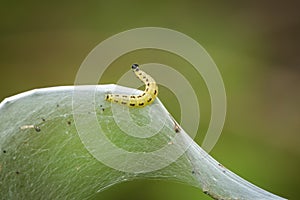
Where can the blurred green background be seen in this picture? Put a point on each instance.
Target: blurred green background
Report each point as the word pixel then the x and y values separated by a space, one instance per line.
pixel 255 44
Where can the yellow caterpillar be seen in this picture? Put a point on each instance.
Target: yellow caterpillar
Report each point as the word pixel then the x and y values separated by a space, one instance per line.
pixel 146 98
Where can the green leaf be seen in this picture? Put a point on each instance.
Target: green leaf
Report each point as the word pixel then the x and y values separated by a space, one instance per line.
pixel 56 144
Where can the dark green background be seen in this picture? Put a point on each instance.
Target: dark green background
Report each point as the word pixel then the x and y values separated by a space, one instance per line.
pixel 255 45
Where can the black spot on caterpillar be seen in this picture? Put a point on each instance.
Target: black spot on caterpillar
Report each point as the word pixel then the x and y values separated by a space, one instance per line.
pixel 148 96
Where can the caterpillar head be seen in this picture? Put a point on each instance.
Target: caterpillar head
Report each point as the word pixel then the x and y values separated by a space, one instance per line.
pixel 135 67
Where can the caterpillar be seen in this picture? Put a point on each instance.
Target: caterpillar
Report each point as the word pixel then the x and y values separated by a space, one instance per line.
pixel 146 98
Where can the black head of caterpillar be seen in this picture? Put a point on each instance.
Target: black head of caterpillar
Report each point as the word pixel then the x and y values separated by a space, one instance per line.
pixel 135 67
pixel 146 98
